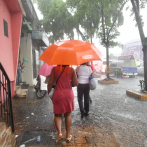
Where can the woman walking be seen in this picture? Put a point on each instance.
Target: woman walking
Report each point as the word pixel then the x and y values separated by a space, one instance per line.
pixel 63 97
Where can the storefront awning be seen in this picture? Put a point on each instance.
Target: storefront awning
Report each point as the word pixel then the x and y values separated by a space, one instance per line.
pixel 40 36
pixel 28 25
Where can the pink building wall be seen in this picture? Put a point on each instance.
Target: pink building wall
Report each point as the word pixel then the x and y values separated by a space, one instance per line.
pixel 9 46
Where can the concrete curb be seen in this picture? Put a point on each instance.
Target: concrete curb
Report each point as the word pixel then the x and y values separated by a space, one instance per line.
pixel 107 82
pixel 136 94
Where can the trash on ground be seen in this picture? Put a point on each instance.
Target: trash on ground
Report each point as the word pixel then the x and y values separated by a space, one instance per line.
pixel 29 140
pixel 38 139
pixel 16 136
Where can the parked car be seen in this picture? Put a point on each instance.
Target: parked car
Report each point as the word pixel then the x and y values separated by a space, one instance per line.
pixel 140 69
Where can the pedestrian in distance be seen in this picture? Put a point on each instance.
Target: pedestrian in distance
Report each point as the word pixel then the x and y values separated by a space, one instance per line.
pixel 83 73
pixel 19 72
pixel 63 97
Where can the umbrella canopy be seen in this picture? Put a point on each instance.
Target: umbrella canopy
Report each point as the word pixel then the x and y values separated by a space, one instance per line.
pixel 45 69
pixel 70 52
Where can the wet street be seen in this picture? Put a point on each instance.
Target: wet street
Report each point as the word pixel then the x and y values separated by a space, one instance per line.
pixel 115 119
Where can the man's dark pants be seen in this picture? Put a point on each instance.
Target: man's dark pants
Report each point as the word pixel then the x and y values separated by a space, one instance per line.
pixel 83 89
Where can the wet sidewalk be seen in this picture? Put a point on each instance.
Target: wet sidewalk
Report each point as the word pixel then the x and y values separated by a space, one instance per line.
pixel 34 117
pixel 114 120
pixel 82 136
pixel 91 136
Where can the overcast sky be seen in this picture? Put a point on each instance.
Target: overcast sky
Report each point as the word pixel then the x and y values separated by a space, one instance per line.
pixel 128 31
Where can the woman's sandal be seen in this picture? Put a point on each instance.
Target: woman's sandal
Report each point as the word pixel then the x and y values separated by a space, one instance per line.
pixel 69 139
pixel 59 138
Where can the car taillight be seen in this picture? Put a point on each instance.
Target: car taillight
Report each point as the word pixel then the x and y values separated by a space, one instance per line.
pixel 137 69
pixel 121 69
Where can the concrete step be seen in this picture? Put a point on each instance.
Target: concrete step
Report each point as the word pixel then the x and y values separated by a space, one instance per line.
pixel 23 93
pixel 2 129
pixel 7 138
pixel 25 86
pixel 19 92
pixel 12 140
pixel 17 87
pixel 3 140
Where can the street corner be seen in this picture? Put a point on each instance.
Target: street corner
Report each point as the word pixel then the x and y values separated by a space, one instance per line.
pixel 136 94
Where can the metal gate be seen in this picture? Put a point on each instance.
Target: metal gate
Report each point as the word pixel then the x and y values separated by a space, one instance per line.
pixel 6 110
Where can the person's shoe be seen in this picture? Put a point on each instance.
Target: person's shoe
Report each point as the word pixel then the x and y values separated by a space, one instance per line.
pixel 59 138
pixel 69 139
pixel 90 101
pixel 82 114
pixel 86 114
pixel 20 83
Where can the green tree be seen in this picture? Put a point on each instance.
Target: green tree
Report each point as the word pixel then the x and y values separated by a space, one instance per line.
pixel 87 14
pixel 60 18
pixel 96 17
pixel 108 17
pixel 57 21
pixel 111 20
pixel 86 17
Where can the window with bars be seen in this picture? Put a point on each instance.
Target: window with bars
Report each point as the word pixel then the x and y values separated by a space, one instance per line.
pixel 5 28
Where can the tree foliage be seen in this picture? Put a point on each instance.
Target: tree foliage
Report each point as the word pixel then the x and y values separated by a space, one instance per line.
pixel 99 18
pixel 111 20
pixel 95 17
pixel 86 16
pixel 60 18
pixel 57 21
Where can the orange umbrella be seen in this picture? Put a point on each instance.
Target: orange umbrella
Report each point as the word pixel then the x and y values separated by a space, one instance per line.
pixel 70 52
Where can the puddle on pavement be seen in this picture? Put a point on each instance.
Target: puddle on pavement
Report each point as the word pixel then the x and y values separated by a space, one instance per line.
pixel 30 137
pixel 125 115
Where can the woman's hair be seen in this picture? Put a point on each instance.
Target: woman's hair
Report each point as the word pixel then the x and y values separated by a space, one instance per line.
pixel 84 63
pixel 63 65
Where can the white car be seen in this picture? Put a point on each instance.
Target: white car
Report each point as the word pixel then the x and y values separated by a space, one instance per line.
pixel 140 69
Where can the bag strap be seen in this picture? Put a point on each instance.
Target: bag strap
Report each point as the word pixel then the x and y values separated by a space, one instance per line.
pixel 60 75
